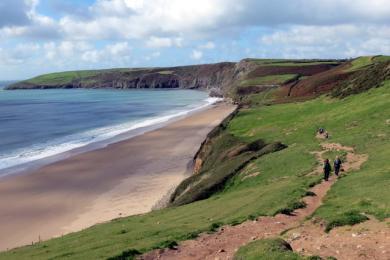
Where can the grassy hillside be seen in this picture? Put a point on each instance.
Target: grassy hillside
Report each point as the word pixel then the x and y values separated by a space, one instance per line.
pixel 60 78
pixel 266 185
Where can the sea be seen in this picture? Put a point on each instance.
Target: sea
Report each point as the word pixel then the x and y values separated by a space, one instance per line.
pixel 45 124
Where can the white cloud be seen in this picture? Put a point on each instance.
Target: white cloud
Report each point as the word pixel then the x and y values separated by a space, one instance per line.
pixel 121 49
pixel 136 19
pixel 163 42
pixel 330 41
pixel 196 55
pixel 207 45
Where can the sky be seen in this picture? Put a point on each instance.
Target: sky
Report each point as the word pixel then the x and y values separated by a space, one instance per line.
pixel 42 36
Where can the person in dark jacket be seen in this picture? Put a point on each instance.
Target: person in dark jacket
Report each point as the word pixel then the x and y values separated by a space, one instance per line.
pixel 337 165
pixel 327 169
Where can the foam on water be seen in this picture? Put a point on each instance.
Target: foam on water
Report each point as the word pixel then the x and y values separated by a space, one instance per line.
pixel 70 142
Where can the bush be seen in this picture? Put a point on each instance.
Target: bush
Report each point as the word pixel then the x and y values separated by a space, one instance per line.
pixel 171 244
pixel 291 207
pixel 214 227
pixel 310 193
pixel 126 255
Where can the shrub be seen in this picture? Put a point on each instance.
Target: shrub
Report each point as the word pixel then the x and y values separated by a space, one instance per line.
pixel 214 226
pixel 291 207
pixel 310 193
pixel 171 244
pixel 126 255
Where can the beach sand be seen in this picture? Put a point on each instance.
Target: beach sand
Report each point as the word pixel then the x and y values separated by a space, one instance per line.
pixel 122 179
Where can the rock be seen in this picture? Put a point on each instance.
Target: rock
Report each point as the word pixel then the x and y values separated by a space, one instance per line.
pixel 221 251
pixel 295 236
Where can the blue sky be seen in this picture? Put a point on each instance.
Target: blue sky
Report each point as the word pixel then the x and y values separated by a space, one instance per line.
pixel 41 36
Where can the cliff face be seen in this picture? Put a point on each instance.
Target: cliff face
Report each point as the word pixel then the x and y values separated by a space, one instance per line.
pixel 219 76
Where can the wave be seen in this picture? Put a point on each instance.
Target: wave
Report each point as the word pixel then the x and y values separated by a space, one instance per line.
pixel 71 142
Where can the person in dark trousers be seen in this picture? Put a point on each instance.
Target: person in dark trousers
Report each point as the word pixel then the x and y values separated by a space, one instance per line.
pixel 337 165
pixel 327 169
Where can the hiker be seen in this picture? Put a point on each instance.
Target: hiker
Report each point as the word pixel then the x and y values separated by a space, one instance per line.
pixel 321 130
pixel 327 169
pixel 337 165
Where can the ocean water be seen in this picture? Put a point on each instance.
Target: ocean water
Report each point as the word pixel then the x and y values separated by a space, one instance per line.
pixel 36 124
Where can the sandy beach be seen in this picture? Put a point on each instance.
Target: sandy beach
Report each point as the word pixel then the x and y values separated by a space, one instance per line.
pixel 122 179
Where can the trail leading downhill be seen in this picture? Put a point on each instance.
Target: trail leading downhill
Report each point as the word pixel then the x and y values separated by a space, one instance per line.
pixel 225 242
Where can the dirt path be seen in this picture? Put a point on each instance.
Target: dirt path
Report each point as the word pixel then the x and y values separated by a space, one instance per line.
pixel 224 243
pixel 368 240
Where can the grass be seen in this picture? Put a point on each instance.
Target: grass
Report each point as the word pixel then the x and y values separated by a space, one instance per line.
pixel 268 80
pixel 347 218
pixel 361 121
pixel 360 63
pixel 381 58
pixel 61 78
pixel 267 249
pixel 224 160
pixel 263 98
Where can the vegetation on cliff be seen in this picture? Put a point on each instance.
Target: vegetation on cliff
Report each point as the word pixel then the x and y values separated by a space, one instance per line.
pixel 208 76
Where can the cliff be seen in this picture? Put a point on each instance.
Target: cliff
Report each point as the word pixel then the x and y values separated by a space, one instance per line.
pixel 217 76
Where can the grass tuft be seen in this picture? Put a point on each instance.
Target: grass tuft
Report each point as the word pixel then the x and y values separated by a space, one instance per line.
pixel 126 255
pixel 291 207
pixel 348 218
pixel 266 249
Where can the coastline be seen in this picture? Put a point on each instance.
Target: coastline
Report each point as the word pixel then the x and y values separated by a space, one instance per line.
pixel 117 133
pixel 124 178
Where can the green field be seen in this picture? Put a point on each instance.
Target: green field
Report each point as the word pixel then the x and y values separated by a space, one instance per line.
pixel 59 78
pixel 269 80
pixel 360 63
pixel 381 58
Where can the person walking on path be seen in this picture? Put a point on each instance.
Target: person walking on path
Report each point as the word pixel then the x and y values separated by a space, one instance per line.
pixel 337 165
pixel 327 169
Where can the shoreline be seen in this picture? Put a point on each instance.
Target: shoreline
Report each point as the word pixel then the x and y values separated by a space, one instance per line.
pixel 124 178
pixel 136 129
